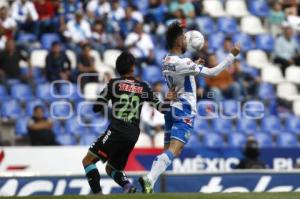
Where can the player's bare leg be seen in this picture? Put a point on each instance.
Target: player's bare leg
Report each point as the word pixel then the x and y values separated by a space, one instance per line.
pixel 92 173
pixel 120 178
pixel 160 165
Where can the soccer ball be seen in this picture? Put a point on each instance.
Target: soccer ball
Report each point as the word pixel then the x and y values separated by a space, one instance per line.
pixel 195 40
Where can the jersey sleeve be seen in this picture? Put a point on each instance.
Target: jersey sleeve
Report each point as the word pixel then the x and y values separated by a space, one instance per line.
pixel 219 68
pixel 104 96
pixel 184 67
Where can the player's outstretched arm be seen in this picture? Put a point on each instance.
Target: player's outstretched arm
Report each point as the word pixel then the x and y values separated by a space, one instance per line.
pixel 224 64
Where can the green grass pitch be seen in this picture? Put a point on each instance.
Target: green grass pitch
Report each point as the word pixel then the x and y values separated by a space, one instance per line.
pixel 176 196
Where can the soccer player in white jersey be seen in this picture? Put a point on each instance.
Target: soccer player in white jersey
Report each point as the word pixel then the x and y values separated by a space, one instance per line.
pixel 180 73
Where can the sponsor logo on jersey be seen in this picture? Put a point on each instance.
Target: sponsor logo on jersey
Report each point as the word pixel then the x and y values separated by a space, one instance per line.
pixel 130 88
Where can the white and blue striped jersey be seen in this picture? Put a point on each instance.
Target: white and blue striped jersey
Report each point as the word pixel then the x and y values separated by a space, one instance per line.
pixel 180 73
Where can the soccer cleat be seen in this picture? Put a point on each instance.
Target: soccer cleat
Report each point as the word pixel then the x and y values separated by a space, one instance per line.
pixel 146 185
pixel 129 188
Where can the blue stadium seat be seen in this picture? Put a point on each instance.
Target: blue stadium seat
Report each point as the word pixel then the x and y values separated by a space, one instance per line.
pixel 33 103
pixel 201 126
pixel 57 127
pixel 236 139
pixel 254 109
pixel 247 126
pixel 21 92
pixel 37 74
pixel 213 140
pixel 43 91
pixel 152 74
pixel 207 108
pixel 259 8
pixel 85 110
pixel 286 140
pixel 72 126
pixel 26 38
pixel 230 108
pixel 223 126
pixel 61 110
pixel 66 139
pixel 266 91
pixel 11 109
pixel 159 55
pixel 244 40
pixel 271 124
pixel 227 25
pixel 216 40
pixel 194 141
pixel 48 38
pixel 99 125
pixel 21 127
pixel 69 91
pixel 292 124
pixel 263 139
pixel 206 25
pixel 265 42
pixel 87 139
pixel 3 93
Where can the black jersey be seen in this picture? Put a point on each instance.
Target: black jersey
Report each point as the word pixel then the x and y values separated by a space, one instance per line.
pixel 127 96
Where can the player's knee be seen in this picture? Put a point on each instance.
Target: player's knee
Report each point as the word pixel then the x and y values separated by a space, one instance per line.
pixel 108 169
pixel 87 160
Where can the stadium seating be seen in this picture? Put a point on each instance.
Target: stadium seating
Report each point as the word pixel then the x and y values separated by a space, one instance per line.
pixel 271 124
pixel 48 38
pixel 236 139
pixel 257 58
pixel 194 141
pixel 214 8
pixel 236 8
pixel 265 42
pixel 286 140
pixel 253 109
pixel 230 108
pixel 72 57
pixel 263 139
pixel 11 109
pixel 296 107
pixel 66 139
pixel 30 105
pixel 266 91
pixel 87 139
pixel 206 25
pixel 201 126
pixel 207 108
pixel 43 91
pixel 152 74
pixel 244 40
pixel 292 124
pixel 223 126
pixel 61 109
pixel 227 25
pixel 21 127
pixel 38 57
pixel 292 74
pixel 3 93
pixel 247 126
pixel 272 74
pixel 91 90
pixel 21 92
pixel 110 57
pixel 287 91
pixel 252 25
pixel 213 139
pixel 99 125
pixel 259 8
pixel 216 40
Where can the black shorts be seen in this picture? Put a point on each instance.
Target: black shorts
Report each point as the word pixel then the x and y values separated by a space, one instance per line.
pixel 109 147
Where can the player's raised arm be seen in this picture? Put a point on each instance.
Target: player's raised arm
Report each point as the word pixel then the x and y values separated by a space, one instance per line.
pixel 221 66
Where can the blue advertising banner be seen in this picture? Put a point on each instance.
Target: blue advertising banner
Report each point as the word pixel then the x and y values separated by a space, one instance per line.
pixel 205 183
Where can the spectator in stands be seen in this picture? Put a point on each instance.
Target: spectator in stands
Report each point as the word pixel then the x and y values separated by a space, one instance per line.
pixel 58 65
pixel 140 45
pixel 251 153
pixel 117 12
pixel 127 23
pixel 156 12
pixel 183 10
pixel 275 18
pixel 98 8
pixel 103 39
pixel 223 52
pixel 222 85
pixel 8 25
pixel 10 59
pixel 247 82
pixel 86 64
pixel 24 12
pixel 68 8
pixel 40 129
pixel 287 50
pixel 78 32
pixel 46 12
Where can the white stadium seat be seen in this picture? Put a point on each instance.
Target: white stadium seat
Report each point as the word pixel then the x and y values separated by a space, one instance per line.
pixel 257 59
pixel 272 74
pixel 159 140
pixel 292 74
pixel 288 91
pixel 91 90
pixel 72 57
pixel 252 25
pixel 296 107
pixel 214 8
pixel 144 141
pixel 96 57
pixel 38 58
pixel 110 57
pixel 236 8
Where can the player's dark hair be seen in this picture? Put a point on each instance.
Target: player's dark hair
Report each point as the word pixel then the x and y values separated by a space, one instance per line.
pixel 228 38
pixel 124 63
pixel 173 32
pixel 37 107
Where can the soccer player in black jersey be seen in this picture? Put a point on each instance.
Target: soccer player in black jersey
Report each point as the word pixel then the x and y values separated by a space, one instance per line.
pixel 127 96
